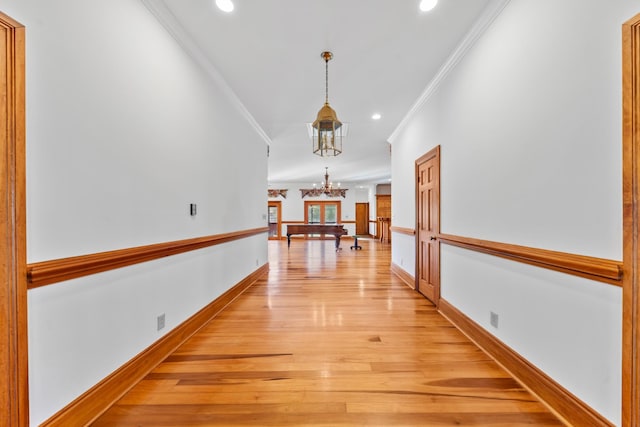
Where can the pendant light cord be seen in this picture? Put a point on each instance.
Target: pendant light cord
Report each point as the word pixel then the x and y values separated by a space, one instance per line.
pixel 326 81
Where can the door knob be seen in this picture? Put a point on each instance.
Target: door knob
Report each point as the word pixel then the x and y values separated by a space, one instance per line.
pixel 433 237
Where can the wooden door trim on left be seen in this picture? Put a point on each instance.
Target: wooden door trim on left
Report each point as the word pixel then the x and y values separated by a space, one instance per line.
pixel 14 392
pixel 631 222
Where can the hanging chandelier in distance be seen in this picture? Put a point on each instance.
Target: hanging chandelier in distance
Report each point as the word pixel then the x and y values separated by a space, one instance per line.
pixel 327 130
pixel 326 189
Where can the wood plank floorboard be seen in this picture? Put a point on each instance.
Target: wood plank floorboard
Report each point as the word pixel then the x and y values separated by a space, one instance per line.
pixel 328 339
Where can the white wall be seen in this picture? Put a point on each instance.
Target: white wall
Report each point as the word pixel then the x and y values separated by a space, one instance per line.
pixel 529 123
pixel 124 131
pixel 383 189
pixel 403 252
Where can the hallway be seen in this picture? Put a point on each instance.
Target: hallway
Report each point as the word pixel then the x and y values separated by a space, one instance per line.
pixel 329 339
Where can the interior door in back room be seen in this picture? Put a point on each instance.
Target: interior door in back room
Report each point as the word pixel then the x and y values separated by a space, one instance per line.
pixel 362 219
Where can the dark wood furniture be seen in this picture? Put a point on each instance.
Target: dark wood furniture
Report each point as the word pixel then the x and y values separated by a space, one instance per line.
pixel 383 210
pixel 384 224
pixel 337 230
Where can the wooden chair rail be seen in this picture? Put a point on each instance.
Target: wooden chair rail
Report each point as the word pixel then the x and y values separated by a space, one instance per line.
pixel 599 269
pixel 403 230
pixel 58 270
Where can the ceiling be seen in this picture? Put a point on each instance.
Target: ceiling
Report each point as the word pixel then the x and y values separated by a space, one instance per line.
pixel 268 52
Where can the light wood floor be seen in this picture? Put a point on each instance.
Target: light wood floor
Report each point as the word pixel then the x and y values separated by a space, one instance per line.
pixel 328 339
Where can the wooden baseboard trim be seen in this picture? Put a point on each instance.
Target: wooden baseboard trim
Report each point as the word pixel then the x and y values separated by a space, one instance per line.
pixel 90 405
pixel 403 275
pixel 567 406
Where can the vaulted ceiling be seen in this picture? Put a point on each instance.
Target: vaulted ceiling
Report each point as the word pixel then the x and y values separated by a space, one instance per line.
pixel 268 52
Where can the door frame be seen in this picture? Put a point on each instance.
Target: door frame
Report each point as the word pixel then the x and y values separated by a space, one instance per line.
pixel 14 390
pixel 631 222
pixel 322 203
pixel 278 205
pixel 431 154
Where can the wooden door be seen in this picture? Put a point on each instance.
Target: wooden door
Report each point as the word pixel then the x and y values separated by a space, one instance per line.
pixel 275 220
pixel 428 225
pixel 362 219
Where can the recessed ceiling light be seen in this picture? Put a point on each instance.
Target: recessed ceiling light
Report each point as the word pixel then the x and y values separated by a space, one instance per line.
pixel 225 5
pixel 427 5
pixel 376 116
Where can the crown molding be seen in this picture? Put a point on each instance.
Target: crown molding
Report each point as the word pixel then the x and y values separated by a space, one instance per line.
pixel 161 12
pixel 491 12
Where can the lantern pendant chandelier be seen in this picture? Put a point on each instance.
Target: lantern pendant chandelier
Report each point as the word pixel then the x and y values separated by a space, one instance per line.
pixel 327 129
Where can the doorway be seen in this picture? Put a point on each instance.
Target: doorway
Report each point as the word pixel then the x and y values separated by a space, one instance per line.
pixel 274 213
pixel 362 219
pixel 322 212
pixel 428 225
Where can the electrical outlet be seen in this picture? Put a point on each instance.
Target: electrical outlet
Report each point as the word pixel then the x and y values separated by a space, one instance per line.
pixel 401 261
pixel 160 321
pixel 493 319
pixel 257 262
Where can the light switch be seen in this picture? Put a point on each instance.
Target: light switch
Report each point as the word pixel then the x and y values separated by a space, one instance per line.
pixel 192 209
